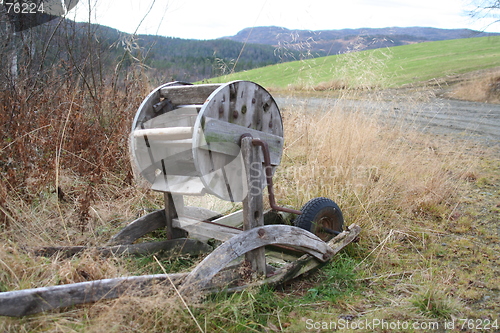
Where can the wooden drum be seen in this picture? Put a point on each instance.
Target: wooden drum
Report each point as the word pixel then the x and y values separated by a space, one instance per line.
pixel 185 138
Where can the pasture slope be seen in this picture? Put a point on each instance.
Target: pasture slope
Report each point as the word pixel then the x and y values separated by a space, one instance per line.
pixel 389 67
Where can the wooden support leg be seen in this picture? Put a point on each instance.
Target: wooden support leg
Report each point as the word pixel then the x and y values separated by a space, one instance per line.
pixel 253 205
pixel 173 206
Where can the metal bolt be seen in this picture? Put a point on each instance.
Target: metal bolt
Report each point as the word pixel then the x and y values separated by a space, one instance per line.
pixel 235 114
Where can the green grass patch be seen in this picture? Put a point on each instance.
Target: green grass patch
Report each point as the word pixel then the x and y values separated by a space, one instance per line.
pixel 337 279
pixel 267 308
pixel 389 67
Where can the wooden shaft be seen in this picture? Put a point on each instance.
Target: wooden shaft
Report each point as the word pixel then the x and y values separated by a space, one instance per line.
pixel 253 205
pixel 171 211
pixel 165 133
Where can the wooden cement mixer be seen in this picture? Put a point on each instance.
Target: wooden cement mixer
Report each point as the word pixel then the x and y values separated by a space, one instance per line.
pixel 224 140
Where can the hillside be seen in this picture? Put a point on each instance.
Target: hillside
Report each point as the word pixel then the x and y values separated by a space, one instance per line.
pixel 164 58
pixel 80 46
pixel 391 67
pixel 329 42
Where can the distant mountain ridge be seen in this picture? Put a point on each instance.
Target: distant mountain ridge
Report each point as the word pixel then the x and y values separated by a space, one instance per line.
pixel 328 42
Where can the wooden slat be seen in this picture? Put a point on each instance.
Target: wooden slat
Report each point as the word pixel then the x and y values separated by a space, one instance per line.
pixel 233 220
pixel 218 131
pixel 191 94
pixel 179 185
pixel 199 213
pixel 171 211
pixel 180 116
pixel 204 231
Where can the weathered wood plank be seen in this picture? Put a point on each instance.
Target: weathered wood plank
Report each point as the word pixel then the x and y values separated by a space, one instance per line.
pixel 178 184
pixel 250 240
pixel 219 131
pixel 191 94
pixel 204 231
pixel 200 213
pixel 19 303
pixel 172 209
pixel 176 246
pixel 181 116
pixel 29 301
pixel 138 228
pixel 232 220
pixel 253 205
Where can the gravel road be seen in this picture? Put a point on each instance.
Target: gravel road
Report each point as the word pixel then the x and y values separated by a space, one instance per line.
pixel 477 121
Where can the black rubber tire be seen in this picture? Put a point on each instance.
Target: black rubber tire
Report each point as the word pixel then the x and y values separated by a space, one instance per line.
pixel 321 212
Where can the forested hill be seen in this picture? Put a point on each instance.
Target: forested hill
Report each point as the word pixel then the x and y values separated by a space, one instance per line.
pixel 330 42
pixel 82 45
pixel 189 59
pixel 194 60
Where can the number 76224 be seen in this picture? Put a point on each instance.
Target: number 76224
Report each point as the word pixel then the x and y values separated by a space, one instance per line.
pixel 28 7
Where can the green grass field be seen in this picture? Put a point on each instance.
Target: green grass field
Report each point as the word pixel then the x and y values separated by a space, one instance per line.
pixel 390 67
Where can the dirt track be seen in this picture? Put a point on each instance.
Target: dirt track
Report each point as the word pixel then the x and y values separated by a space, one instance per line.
pixel 475 120
pixel 471 120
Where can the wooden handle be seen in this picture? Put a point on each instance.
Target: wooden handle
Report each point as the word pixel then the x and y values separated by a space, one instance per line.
pixel 165 133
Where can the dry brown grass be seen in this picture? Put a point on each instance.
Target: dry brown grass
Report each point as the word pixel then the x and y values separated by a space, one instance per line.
pixel 483 86
pixel 356 160
pixel 404 188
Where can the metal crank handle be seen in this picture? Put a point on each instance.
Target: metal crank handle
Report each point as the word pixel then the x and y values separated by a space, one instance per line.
pixel 269 176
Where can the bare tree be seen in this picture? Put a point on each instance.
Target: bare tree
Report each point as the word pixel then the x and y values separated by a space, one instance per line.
pixel 488 10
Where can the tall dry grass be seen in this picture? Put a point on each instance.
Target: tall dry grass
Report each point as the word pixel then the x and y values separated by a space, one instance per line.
pixel 403 187
pixel 356 159
pixel 60 142
pixel 482 87
pixel 400 186
pixel 66 181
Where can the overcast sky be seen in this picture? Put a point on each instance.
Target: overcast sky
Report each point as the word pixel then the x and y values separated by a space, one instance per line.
pixel 205 19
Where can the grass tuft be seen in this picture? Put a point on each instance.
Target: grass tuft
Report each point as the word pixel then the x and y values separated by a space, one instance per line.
pixel 436 304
